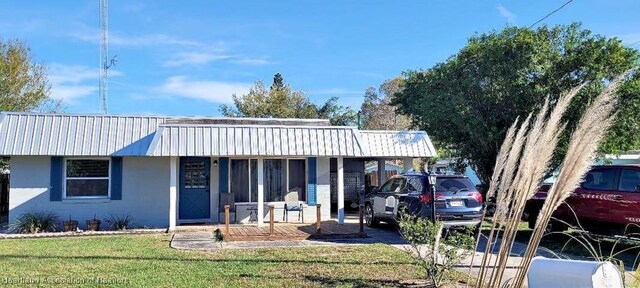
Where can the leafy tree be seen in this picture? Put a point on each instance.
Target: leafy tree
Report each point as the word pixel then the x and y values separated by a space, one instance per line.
pixel 469 101
pixel 378 113
pixel 281 101
pixel 23 83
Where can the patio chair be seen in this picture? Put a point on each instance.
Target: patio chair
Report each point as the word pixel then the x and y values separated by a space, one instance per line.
pixel 292 203
pixel 228 199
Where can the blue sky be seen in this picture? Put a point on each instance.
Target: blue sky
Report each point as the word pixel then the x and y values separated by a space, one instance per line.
pixel 187 57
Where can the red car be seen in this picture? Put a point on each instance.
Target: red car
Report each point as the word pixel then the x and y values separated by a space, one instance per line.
pixel 607 200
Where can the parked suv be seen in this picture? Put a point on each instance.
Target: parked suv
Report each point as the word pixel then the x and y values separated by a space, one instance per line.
pixel 458 203
pixel 608 199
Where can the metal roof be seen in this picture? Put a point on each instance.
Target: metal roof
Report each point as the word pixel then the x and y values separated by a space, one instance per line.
pixel 108 135
pixel 256 140
pixel 397 143
pixel 75 135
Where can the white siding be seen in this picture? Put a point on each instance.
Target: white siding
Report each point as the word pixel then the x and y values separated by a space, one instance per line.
pixel 145 195
pixel 324 187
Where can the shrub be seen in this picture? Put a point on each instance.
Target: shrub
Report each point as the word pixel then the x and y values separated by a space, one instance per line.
pixel 217 236
pixel 435 250
pixel 118 222
pixel 35 222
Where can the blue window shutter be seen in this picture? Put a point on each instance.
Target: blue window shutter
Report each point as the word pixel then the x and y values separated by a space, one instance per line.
pixel 223 164
pixel 312 198
pixel 57 171
pixel 116 178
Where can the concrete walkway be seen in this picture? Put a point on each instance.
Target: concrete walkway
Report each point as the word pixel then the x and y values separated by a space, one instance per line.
pixel 204 240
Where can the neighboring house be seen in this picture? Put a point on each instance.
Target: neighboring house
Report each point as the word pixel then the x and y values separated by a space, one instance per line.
pixel 444 166
pixel 630 157
pixel 167 171
pixel 390 169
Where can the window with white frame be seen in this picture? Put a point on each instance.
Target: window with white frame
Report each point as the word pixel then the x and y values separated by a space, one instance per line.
pixel 86 178
pixel 280 176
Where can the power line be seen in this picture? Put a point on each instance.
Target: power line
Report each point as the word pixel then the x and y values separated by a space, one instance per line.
pixel 634 43
pixel 552 12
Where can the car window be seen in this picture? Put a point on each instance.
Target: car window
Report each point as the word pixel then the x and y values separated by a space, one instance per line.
pixel 604 179
pixel 386 187
pixel 398 184
pixel 393 185
pixel 415 184
pixel 453 184
pixel 629 180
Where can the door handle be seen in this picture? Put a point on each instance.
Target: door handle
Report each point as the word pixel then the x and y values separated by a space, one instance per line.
pixel 617 197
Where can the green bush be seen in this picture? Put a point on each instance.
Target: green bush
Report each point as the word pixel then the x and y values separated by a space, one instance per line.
pixel 35 222
pixel 436 250
pixel 118 222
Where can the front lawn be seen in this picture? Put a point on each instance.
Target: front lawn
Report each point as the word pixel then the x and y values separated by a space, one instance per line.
pixel 147 260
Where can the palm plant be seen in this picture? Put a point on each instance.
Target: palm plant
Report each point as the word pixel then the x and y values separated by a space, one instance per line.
pixel 35 222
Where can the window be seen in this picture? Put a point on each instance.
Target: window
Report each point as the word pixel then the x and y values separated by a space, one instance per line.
pixel 297 178
pixel 393 185
pixel 275 179
pixel 600 179
pixel 630 181
pixel 195 175
pixel 280 176
pixel 454 185
pixel 87 178
pixel 244 180
pixel 415 184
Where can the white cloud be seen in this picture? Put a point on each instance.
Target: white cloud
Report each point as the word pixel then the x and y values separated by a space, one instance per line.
pixel 212 91
pixel 91 35
pixel 508 15
pixel 202 58
pixel 194 58
pixel 251 61
pixel 70 82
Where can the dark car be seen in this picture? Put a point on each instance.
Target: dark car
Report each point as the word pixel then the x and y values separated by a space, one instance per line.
pixel 457 202
pixel 607 200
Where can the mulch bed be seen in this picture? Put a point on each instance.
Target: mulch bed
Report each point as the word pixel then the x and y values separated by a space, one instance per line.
pixel 80 234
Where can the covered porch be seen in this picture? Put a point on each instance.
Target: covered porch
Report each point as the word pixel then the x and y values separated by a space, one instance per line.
pixel 291 168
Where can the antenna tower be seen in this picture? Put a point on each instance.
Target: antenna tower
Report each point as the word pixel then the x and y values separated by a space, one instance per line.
pixel 104 63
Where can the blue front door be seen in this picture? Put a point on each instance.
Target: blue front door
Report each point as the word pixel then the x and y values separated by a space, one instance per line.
pixel 194 188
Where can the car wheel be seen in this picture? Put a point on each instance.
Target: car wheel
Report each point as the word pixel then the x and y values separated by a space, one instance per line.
pixel 369 218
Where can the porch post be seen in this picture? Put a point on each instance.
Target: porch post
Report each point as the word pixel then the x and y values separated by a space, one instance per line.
pixel 381 172
pixel 260 192
pixel 173 192
pixel 407 164
pixel 340 190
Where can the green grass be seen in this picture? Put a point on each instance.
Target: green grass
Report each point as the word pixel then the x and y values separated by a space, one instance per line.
pixel 147 260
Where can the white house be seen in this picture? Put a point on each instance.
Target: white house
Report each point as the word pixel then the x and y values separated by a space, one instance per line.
pixel 166 171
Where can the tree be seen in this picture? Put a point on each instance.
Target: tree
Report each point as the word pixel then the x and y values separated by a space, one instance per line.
pixel 23 83
pixel 281 101
pixel 377 111
pixel 469 101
